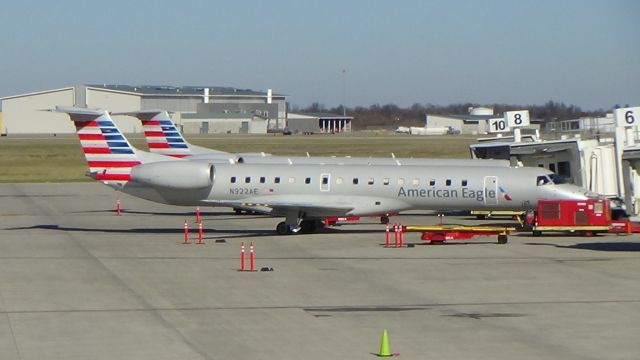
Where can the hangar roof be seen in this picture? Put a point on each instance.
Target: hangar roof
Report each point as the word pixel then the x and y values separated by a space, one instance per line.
pixel 323 116
pixel 181 90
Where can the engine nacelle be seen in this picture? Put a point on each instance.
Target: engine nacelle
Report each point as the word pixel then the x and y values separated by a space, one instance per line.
pixel 174 174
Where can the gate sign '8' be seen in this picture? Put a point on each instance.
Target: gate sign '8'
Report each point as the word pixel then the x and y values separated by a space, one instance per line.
pixel 627 116
pixel 517 118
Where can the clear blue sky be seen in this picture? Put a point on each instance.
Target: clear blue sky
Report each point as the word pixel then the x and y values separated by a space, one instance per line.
pixel 581 52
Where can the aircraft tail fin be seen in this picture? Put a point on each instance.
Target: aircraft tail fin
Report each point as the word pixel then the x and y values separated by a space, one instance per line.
pixel 109 154
pixel 163 137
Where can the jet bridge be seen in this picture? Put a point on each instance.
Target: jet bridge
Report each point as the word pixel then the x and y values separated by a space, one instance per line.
pixel 586 163
pixel 590 163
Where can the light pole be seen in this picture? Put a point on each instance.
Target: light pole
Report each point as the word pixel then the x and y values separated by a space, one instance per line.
pixel 344 92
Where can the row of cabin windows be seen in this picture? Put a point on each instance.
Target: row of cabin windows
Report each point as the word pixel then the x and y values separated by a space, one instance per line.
pixel 356 181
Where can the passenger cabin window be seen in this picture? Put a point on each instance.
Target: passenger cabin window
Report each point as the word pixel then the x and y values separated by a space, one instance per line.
pixel 325 180
pixel 307 180
pixel 292 180
pixel 400 181
pixel 464 183
pixel 432 182
pixel 233 179
pixel 338 180
pixel 276 179
pixel 263 179
pixel 415 181
pixel 355 181
pixel 370 181
pixel 385 181
pixel 448 182
pixel 247 179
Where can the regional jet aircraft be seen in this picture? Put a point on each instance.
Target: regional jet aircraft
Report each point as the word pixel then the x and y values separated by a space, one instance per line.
pixel 163 138
pixel 304 194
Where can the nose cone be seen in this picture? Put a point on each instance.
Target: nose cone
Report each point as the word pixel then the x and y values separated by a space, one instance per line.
pixel 571 192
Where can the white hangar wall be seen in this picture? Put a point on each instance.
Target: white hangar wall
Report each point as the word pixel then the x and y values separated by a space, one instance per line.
pixel 116 101
pixel 23 113
pixel 22 116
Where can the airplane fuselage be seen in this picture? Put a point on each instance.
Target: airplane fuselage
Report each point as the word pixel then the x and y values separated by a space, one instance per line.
pixel 362 189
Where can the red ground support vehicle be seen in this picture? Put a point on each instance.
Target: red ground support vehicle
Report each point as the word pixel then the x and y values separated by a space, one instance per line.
pixel 586 217
pixel 438 234
pixel 333 220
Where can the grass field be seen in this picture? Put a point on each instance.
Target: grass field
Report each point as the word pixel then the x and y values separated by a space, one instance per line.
pixel 60 159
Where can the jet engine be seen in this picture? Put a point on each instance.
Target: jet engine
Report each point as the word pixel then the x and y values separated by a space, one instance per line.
pixel 181 175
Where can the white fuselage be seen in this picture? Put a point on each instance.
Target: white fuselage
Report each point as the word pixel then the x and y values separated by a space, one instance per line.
pixel 325 190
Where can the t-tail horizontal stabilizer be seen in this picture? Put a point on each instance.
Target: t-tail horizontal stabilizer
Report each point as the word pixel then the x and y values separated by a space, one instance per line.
pixel 163 137
pixel 109 154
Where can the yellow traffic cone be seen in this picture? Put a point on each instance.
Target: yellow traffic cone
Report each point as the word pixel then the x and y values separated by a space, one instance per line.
pixel 385 351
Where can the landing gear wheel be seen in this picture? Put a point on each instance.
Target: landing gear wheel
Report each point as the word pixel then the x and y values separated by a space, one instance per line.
pixel 536 233
pixel 502 239
pixel 384 219
pixel 283 229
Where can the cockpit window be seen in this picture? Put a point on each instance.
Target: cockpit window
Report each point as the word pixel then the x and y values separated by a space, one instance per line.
pixel 543 180
pixel 558 179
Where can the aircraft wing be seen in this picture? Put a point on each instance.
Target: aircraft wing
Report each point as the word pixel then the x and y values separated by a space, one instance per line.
pixel 316 205
pixel 276 207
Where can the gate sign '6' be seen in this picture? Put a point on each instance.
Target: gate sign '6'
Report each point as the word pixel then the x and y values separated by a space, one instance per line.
pixel 627 116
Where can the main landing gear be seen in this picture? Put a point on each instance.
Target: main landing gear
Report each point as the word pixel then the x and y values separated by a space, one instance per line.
pixel 283 229
pixel 306 226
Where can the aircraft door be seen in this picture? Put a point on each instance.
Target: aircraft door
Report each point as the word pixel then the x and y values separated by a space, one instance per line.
pixel 491 190
pixel 325 182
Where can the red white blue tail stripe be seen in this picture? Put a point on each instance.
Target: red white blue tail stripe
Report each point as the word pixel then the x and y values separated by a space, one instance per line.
pixel 163 137
pixel 109 155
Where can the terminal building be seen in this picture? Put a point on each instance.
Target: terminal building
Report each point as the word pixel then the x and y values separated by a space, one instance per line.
pixel 194 109
pixel 473 123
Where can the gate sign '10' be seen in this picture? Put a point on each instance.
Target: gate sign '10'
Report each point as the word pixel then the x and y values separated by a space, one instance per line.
pixel 627 116
pixel 517 118
pixel 497 125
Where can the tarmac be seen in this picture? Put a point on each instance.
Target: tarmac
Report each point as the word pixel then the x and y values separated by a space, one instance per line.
pixel 79 282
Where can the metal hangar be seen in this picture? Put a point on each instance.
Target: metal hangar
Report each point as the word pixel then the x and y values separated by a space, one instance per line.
pixel 22 114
